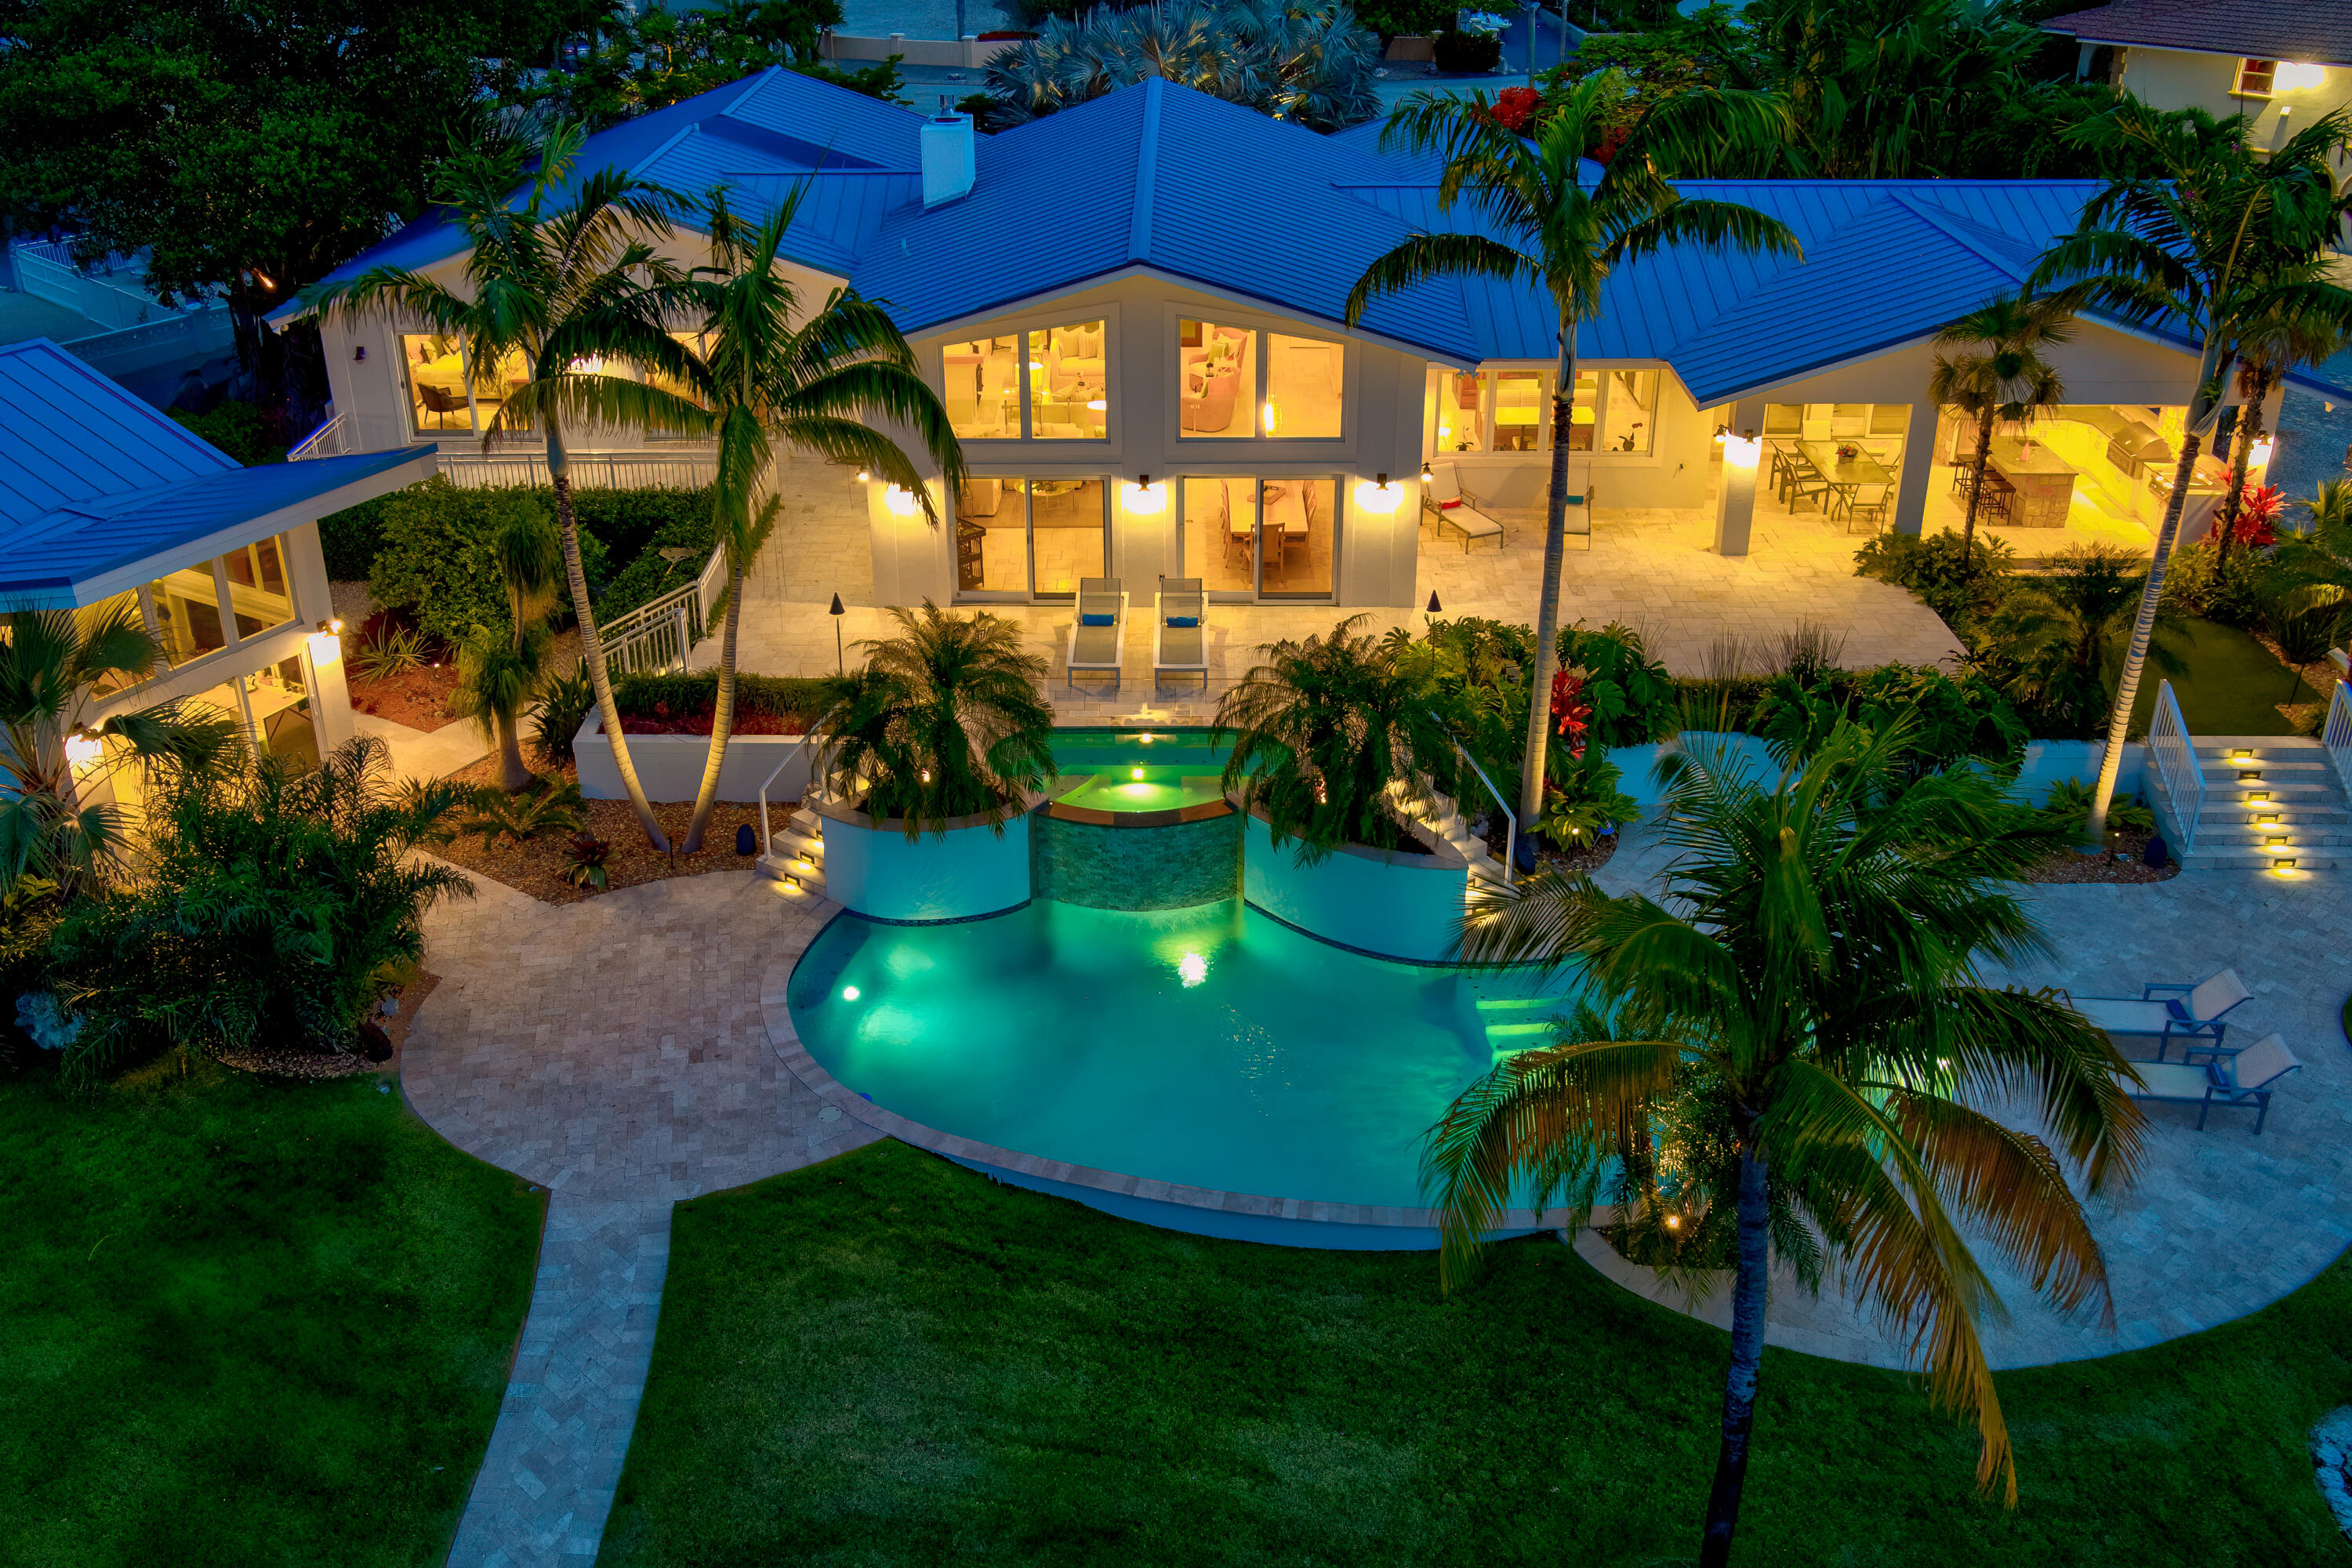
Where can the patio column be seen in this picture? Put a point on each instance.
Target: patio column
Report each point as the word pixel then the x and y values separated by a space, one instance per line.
pixel 1735 497
pixel 1918 454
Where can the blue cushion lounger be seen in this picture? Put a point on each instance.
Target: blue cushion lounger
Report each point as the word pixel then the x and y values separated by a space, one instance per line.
pixel 1099 631
pixel 1179 641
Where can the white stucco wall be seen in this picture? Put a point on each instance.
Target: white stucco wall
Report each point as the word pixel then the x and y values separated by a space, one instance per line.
pixel 1403 906
pixel 2176 79
pixel 669 767
pixel 873 868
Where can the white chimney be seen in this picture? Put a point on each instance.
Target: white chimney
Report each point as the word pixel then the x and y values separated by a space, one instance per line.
pixel 947 156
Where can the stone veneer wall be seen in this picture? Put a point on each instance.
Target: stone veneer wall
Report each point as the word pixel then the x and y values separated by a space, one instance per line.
pixel 1163 868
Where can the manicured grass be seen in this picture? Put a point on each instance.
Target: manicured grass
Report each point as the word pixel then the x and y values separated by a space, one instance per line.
pixel 888 1360
pixel 2232 687
pixel 244 1323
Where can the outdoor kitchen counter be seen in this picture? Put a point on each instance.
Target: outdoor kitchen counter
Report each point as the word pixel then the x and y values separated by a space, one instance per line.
pixel 2045 482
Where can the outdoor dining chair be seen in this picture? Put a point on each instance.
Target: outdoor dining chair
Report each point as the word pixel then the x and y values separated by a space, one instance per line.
pixel 2182 1011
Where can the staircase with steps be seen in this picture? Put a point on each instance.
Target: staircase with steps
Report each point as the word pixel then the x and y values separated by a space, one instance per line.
pixel 1444 818
pixel 1516 1023
pixel 2268 799
pixel 796 853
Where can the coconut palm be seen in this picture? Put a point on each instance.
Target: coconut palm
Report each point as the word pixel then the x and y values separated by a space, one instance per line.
pixel 1334 736
pixel 55 668
pixel 2001 375
pixel 769 364
pixel 2268 348
pixel 566 275
pixel 943 720
pixel 2222 240
pixel 501 669
pixel 1544 227
pixel 2310 570
pixel 1797 1026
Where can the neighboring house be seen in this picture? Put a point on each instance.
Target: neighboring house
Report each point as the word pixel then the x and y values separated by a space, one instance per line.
pixel 1151 285
pixel 105 501
pixel 2280 63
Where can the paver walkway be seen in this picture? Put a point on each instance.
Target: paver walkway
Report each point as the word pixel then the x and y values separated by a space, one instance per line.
pixel 613 1050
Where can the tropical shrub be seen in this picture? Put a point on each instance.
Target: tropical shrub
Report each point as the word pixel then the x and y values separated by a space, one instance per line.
pixel 1333 736
pixel 2068 804
pixel 544 806
pixel 351 539
pixel 439 561
pixel 2050 644
pixel 1932 568
pixel 385 650
pixel 1951 720
pixel 1632 695
pixel 588 867
pixel 2236 592
pixel 1407 18
pixel 791 699
pixel 1583 797
pixel 272 898
pixel 564 706
pixel 650 575
pixel 240 429
pixel 942 721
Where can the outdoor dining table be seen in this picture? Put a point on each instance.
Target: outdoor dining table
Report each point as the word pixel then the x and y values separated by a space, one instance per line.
pixel 1861 468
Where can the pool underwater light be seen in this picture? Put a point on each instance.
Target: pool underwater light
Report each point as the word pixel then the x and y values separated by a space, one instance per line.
pixel 849 993
pixel 1135 773
pixel 1191 969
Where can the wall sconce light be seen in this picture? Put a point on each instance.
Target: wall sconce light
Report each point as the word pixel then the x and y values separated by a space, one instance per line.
pixel 2259 454
pixel 326 643
pixel 864 477
pixel 2295 76
pixel 83 750
pixel 1742 451
pixel 1378 498
pixel 1144 499
pixel 1425 467
pixel 1722 434
pixel 900 501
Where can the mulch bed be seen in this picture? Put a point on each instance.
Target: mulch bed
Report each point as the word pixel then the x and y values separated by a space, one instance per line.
pixel 419 699
pixel 1582 861
pixel 2069 867
pixel 294 1062
pixel 537 868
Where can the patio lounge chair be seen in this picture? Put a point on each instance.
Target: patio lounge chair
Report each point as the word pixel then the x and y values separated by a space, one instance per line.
pixel 2194 1013
pixel 1180 631
pixel 1099 631
pixel 2247 1078
pixel 1457 508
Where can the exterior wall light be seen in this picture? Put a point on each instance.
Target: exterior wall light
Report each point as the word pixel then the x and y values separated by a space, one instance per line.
pixel 2259 454
pixel 1378 498
pixel 1743 452
pixel 326 644
pixel 2293 75
pixel 1144 499
pixel 865 477
pixel 83 750
pixel 900 501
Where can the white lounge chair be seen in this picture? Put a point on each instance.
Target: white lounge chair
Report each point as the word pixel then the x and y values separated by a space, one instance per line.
pixel 1098 630
pixel 1180 631
pixel 1457 508
pixel 2243 1078
pixel 2193 1012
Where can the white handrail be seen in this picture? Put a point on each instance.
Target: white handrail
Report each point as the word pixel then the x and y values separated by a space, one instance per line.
pixel 767 839
pixel 2173 758
pixel 325 441
pixel 1511 836
pixel 2338 734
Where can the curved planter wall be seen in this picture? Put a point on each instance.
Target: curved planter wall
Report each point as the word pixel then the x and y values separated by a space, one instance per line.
pixel 1397 906
pixel 970 869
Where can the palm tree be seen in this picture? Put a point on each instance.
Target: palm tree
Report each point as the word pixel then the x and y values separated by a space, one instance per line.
pixel 2267 350
pixel 2311 570
pixel 499 671
pixel 55 667
pixel 1545 228
pixel 1810 985
pixel 764 375
pixel 2051 641
pixel 568 277
pixel 2003 376
pixel 1334 737
pixel 2222 239
pixel 943 720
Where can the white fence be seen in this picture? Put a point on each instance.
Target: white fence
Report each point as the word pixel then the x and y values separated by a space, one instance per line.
pixel 2336 736
pixel 464 463
pixel 2173 774
pixel 111 295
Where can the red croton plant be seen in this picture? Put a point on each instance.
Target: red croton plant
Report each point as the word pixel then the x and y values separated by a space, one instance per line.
pixel 1571 715
pixel 2258 512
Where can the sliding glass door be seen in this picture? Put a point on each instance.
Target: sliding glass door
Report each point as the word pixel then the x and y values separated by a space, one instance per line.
pixel 1030 539
pixel 1262 539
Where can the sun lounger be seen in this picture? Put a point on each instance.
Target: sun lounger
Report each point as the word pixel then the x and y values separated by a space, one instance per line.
pixel 1456 509
pixel 2191 1012
pixel 1180 631
pixel 2244 1077
pixel 1098 630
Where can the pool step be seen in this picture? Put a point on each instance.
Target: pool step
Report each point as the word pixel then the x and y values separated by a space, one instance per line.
pixel 1546 1006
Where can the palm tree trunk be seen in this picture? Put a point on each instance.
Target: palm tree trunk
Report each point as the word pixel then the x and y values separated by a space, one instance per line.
pixel 1563 422
pixel 591 648
pixel 513 775
pixel 1751 1284
pixel 2250 430
pixel 2201 405
pixel 1976 486
pixel 722 717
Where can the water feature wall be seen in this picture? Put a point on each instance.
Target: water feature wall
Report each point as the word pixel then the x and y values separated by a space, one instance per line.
pixel 1122 865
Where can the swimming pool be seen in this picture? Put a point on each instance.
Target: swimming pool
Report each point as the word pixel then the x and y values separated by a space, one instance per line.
pixel 1210 1045
pixel 1128 790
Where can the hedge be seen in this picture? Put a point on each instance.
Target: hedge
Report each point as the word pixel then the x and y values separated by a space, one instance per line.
pixel 796 697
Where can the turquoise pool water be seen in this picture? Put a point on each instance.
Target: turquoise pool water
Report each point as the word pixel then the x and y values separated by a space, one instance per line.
pixel 1138 770
pixel 1209 1046
pixel 1121 790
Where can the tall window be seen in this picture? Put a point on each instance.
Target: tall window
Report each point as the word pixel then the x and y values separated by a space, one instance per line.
pixel 1510 411
pixel 1629 421
pixel 1051 384
pixel 1030 537
pixel 1462 412
pixel 204 608
pixel 437 382
pixel 1236 381
pixel 1522 410
pixel 1269 538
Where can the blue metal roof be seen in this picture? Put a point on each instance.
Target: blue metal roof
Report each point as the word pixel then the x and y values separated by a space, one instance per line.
pixel 93 481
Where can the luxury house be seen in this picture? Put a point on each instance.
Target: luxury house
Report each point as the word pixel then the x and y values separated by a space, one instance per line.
pixel 1134 312
pixel 2282 65
pixel 104 502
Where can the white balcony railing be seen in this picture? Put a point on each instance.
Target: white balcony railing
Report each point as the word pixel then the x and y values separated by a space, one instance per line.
pixel 2336 736
pixel 2176 780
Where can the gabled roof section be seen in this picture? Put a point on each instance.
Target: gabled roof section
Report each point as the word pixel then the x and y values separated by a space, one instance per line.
pixel 1163 179
pixel 2316 32
pixel 757 135
pixel 93 481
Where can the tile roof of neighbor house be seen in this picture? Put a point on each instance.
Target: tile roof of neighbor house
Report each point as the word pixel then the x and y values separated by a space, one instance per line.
pixel 92 480
pixel 1160 178
pixel 2315 32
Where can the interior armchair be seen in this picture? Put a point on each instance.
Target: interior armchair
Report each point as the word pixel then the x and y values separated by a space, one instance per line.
pixel 1074 356
pixel 1210 387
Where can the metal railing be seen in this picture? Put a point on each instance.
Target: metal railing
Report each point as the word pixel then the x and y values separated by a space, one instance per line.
pixel 2337 734
pixel 654 636
pixel 1511 835
pixel 2172 761
pixel 326 441
pixel 588 470
pixel 767 834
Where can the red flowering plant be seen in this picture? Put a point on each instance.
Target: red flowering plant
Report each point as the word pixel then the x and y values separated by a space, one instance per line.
pixel 1514 108
pixel 2258 510
pixel 1571 711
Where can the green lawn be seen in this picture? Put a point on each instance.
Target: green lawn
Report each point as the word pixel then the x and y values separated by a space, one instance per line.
pixel 246 1324
pixel 2232 687
pixel 888 1360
